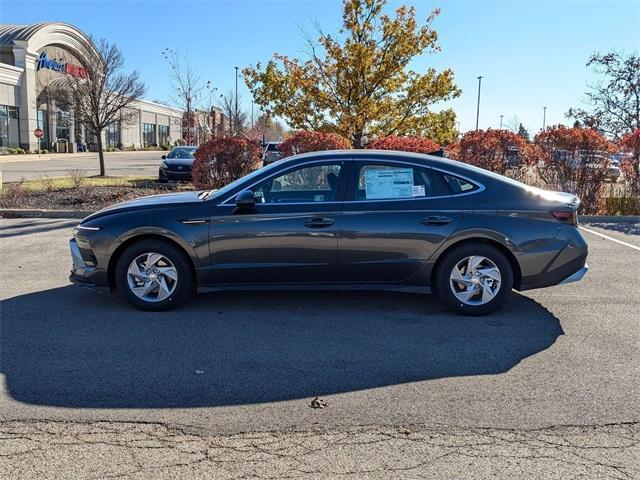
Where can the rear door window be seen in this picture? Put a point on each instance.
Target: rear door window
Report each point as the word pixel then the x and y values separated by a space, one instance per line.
pixel 379 181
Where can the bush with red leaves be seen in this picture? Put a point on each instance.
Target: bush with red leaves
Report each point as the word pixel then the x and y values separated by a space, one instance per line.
pixel 575 160
pixel 630 164
pixel 404 144
pixel 500 151
pixel 223 160
pixel 303 142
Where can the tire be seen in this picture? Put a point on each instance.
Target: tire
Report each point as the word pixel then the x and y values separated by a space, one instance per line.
pixel 480 277
pixel 169 280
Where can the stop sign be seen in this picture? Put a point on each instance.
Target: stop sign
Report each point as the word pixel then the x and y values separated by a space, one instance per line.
pixel 38 133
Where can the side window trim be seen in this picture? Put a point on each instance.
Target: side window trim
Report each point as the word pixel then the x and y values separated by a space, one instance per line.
pixel 344 173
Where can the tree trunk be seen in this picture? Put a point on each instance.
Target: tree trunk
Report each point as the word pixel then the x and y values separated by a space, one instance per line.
pixel 357 140
pixel 100 153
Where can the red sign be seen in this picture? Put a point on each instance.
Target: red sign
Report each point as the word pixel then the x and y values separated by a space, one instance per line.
pixel 38 133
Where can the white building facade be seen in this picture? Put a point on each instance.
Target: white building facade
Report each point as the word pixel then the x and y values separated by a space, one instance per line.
pixel 31 58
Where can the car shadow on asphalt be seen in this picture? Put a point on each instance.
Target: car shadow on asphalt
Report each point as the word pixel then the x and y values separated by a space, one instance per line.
pixel 36 226
pixel 71 347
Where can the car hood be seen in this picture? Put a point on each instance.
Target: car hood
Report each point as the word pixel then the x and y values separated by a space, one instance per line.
pixel 179 161
pixel 153 201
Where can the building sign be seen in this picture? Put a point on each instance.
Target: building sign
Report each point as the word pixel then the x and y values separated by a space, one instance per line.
pixel 62 67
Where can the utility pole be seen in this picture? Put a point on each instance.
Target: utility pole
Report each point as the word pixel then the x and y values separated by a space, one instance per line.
pixel 251 113
pixel 544 118
pixel 235 128
pixel 501 121
pixel 478 109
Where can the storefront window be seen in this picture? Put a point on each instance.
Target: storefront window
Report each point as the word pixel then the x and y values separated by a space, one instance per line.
pixel 163 135
pixel 43 124
pixel 63 121
pixel 149 134
pixel 9 127
pixel 113 135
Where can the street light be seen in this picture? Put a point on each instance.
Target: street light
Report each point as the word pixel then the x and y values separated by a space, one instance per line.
pixel 501 121
pixel 235 113
pixel 544 118
pixel 478 109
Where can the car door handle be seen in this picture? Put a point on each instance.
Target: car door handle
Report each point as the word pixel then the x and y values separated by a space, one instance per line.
pixel 436 220
pixel 319 222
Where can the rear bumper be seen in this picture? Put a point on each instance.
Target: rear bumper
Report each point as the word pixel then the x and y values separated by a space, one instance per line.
pixel 577 276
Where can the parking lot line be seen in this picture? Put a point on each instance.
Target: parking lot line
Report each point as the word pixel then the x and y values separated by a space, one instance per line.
pixel 610 238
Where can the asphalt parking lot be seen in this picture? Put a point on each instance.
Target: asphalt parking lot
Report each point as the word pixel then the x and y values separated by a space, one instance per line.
pixel 232 363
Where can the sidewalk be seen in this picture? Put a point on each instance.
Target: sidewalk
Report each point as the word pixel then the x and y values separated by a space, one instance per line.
pixel 34 157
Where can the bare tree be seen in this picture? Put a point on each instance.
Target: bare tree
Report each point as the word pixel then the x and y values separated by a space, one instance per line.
pixel 188 89
pixel 100 93
pixel 266 127
pixel 613 104
pixel 238 119
pixel 513 123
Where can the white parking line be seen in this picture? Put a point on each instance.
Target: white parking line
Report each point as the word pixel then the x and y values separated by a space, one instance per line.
pixel 635 247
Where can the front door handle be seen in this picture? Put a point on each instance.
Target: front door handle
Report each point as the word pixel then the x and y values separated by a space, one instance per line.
pixel 319 222
pixel 436 220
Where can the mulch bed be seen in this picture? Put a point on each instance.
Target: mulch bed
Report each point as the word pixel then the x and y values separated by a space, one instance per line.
pixel 81 198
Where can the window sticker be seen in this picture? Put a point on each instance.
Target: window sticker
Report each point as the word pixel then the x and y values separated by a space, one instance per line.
pixel 318 198
pixel 388 183
pixel 418 191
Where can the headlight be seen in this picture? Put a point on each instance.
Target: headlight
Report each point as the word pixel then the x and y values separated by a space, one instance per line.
pixel 88 229
pixel 164 165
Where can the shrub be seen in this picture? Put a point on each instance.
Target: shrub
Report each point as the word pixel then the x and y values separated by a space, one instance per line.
pixel 77 177
pixel 574 160
pixel 12 151
pixel 223 160
pixel 45 151
pixel 405 144
pixel 500 151
pixel 630 164
pixel 48 184
pixel 303 142
pixel 14 193
pixel 20 151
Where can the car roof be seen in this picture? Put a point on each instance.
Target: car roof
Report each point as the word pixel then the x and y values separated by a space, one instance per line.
pixel 357 154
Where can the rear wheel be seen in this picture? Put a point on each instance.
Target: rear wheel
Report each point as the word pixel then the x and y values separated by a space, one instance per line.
pixel 154 275
pixel 474 279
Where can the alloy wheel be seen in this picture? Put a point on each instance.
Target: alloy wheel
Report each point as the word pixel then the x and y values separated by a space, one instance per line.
pixel 152 277
pixel 475 280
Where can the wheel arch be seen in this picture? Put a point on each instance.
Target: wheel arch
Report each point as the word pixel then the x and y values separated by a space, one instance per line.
pixel 513 261
pixel 120 249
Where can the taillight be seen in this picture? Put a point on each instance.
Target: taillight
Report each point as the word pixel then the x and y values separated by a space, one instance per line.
pixel 566 215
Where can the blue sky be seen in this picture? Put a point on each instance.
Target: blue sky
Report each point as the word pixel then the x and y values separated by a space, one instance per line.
pixel 531 54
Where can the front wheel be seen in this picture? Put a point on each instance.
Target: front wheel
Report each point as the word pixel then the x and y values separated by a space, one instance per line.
pixel 474 279
pixel 154 275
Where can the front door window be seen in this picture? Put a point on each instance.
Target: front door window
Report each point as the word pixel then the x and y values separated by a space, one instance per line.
pixel 309 184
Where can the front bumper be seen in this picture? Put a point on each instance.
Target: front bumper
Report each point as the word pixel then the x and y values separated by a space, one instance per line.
pixel 81 273
pixel 166 174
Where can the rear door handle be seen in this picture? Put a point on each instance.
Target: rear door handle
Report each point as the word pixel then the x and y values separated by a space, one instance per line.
pixel 319 222
pixel 436 220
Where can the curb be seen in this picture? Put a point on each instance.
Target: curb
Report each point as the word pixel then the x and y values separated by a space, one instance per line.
pixel 32 213
pixel 609 218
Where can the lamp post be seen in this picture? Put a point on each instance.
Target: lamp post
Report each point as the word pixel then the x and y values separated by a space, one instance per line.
pixel 478 109
pixel 235 113
pixel 501 121
pixel 544 118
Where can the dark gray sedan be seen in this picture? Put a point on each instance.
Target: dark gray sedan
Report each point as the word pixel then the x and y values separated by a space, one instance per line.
pixel 339 220
pixel 177 165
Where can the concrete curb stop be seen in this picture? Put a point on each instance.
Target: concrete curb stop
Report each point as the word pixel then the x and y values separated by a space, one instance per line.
pixel 35 213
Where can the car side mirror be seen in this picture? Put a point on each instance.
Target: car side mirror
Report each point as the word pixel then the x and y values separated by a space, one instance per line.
pixel 245 199
pixel 164 157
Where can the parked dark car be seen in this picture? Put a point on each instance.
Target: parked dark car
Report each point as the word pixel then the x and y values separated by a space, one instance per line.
pixel 177 165
pixel 270 153
pixel 338 219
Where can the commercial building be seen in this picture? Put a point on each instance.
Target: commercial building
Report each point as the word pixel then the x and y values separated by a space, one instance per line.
pixel 32 57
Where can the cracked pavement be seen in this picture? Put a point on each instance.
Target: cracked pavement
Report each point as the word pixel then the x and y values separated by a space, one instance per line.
pixel 548 387
pixel 135 450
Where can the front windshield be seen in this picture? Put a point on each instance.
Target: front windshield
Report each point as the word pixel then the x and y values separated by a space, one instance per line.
pixel 247 178
pixel 181 153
